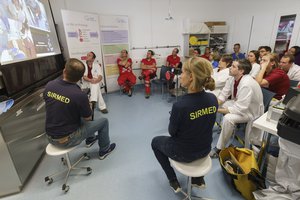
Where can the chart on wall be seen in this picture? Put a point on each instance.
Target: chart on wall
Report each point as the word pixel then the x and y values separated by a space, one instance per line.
pixel 82 34
pixel 284 33
pixel 114 32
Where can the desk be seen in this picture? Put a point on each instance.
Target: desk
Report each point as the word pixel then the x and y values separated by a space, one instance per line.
pixel 269 128
pixel 262 124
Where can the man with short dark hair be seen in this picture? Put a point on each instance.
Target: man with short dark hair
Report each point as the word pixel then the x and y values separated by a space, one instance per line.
pixel 264 50
pixel 68 113
pixel 93 79
pixel 237 55
pixel 173 63
pixel 291 69
pixel 245 105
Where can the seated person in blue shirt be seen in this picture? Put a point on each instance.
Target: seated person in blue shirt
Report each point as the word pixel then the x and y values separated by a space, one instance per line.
pixel 191 122
pixel 69 115
pixel 237 55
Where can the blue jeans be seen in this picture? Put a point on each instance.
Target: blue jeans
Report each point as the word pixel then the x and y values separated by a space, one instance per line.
pixel 87 129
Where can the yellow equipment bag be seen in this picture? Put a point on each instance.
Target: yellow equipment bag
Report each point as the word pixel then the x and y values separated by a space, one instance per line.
pixel 240 168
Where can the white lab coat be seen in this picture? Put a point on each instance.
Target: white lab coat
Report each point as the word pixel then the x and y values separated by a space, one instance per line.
pixel 294 72
pixel 255 70
pixel 220 79
pixel 247 106
pixel 96 94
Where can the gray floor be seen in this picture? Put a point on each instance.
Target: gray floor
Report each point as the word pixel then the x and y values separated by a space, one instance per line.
pixel 131 172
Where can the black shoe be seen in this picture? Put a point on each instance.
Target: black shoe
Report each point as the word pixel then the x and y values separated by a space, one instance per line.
pixel 103 154
pixel 141 77
pixel 198 182
pixel 175 185
pixel 130 93
pixel 90 141
pixel 104 111
pixel 147 96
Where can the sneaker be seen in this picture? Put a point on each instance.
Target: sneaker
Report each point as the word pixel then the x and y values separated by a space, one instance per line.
pixel 198 182
pixel 90 141
pixel 104 111
pixel 103 154
pixel 175 186
pixel 214 153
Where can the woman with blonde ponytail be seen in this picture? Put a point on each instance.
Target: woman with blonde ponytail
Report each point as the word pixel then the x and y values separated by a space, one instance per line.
pixel 191 122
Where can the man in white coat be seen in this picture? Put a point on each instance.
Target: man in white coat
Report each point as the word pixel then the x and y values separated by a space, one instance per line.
pixel 92 79
pixel 290 68
pixel 246 102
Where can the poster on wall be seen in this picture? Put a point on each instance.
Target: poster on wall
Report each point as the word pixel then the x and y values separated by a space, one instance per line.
pixel 114 32
pixel 284 33
pixel 82 34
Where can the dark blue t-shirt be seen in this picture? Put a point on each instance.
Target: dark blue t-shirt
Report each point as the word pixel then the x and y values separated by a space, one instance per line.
pixel 191 123
pixel 66 104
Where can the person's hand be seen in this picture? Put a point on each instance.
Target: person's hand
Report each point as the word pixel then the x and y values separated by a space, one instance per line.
pixel 264 64
pixel 94 81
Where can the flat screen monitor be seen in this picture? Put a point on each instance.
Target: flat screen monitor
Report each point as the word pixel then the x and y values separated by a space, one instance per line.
pixel 26 31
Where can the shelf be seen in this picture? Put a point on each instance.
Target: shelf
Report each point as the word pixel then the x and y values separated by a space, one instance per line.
pixel 218 33
pixel 201 45
pixel 216 40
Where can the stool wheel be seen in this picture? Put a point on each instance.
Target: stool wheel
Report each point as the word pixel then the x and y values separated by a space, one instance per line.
pixel 49 180
pixel 89 170
pixel 63 160
pixel 86 156
pixel 65 188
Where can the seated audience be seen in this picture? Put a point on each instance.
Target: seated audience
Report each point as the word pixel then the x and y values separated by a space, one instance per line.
pixel 237 54
pixel 191 122
pixel 206 54
pixel 295 51
pixel 174 65
pixel 221 74
pixel 246 102
pixel 253 57
pixel 291 69
pixel 272 77
pixel 148 66
pixel 69 115
pixel 126 79
pixel 264 50
pixel 93 79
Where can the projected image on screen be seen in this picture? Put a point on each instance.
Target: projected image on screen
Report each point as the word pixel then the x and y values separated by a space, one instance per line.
pixel 26 30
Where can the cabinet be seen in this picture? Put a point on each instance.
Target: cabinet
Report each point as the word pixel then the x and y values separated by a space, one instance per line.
pixel 216 41
pixel 22 141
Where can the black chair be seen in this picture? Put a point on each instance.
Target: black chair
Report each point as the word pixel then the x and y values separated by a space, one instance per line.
pixel 293 83
pixel 267 97
pixel 162 80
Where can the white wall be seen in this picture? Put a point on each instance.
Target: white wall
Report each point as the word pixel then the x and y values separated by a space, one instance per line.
pixel 148 26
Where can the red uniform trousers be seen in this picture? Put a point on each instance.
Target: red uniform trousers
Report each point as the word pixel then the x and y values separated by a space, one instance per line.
pixel 148 74
pixel 127 80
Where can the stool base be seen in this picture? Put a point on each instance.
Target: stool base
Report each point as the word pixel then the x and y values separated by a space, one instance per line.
pixel 70 167
pixel 188 194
